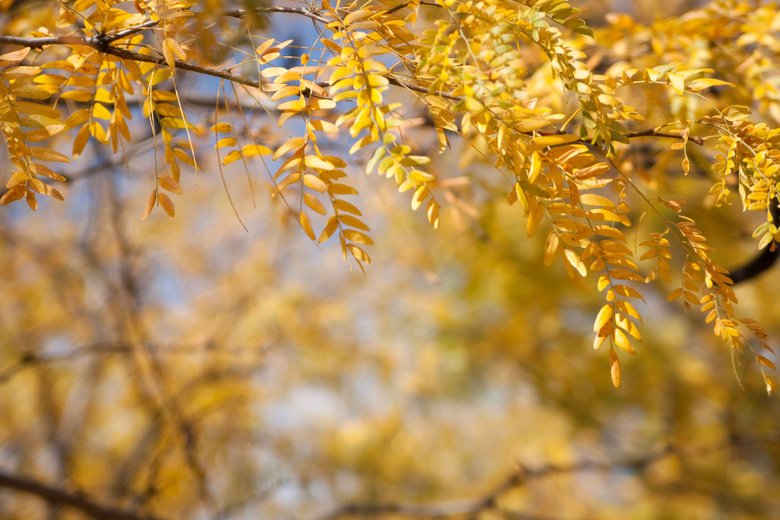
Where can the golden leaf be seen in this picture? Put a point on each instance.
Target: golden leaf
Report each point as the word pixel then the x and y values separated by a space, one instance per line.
pixel 149 204
pixel 231 157
pixel 306 225
pixel 419 196
pixel 342 205
pixel 14 57
pixel 358 253
pixel 357 237
pixel 622 341
pixel 314 203
pixel 575 261
pixel 167 182
pixel 255 149
pixel 433 213
pixel 166 203
pixel 550 247
pixel 15 193
pixel 312 161
pixel 603 317
pixel 614 368
pixel 330 227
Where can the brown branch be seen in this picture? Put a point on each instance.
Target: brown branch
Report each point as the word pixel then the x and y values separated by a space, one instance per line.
pixel 394 80
pixel 102 44
pixel 490 500
pixel 59 497
pixel 241 13
pixel 657 132
pixel 523 475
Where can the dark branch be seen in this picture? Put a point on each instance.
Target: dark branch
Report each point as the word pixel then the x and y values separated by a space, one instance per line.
pixel 241 13
pixel 658 133
pixel 491 499
pixel 101 44
pixel 765 259
pixel 58 497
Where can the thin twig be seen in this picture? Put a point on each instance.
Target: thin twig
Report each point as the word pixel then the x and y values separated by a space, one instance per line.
pixel 241 13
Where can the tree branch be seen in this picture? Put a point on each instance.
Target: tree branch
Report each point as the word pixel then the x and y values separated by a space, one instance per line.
pixel 102 44
pixel 658 133
pixel 241 13
pixel 490 500
pixel 59 497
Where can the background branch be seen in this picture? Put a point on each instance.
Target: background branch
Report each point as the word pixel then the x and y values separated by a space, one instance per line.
pixel 78 501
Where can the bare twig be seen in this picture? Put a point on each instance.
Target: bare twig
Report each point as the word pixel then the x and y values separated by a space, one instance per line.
pixel 241 13
pixel 658 133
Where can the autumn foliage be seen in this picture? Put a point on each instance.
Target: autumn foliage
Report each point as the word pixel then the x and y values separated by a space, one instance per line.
pixel 599 130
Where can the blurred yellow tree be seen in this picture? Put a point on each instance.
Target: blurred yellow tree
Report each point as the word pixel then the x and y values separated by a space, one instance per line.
pixel 209 367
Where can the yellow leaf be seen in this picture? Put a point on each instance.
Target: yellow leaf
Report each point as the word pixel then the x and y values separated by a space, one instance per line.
pixel 691 297
pixel 629 309
pixel 702 83
pixel 330 227
pixel 535 212
pixel 603 317
pixel 149 205
pixel 357 15
pixel 100 111
pixel 771 386
pixel 764 361
pixel 614 368
pixel 358 253
pixel 15 193
pixel 231 157
pixel 314 203
pixel 312 161
pixel 46 154
pixel 341 189
pixel 31 201
pixel 221 128
pixel 356 236
pixel 80 142
pixel 28 107
pixel 293 177
pixel 260 49
pixel 674 294
pixel 535 168
pixel 306 225
pixel 592 199
pixel 433 213
pixel 342 205
pixel 41 169
pixel 604 282
pixel 575 261
pixel 315 183
pixel 553 140
pixel 622 341
pixel 419 196
pixel 255 149
pixel 677 81
pixel 166 203
pixel 167 182
pixel 349 220
pixel 226 141
pixel 295 142
pixel 14 57
pixel 83 96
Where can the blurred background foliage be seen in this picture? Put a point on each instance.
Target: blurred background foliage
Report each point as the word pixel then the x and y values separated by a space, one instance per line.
pixel 188 368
